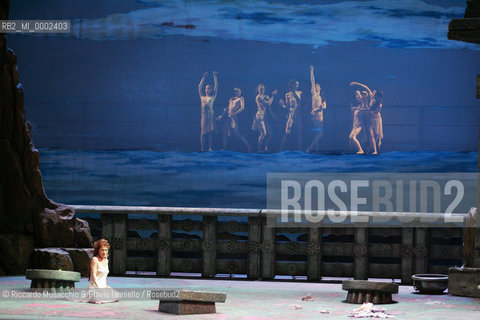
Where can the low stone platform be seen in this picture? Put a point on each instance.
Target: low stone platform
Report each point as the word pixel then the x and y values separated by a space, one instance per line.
pixel 464 282
pixel 361 291
pixel 52 280
pixel 187 302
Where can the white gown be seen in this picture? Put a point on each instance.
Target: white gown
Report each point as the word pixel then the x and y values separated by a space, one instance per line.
pixel 107 294
pixel 102 273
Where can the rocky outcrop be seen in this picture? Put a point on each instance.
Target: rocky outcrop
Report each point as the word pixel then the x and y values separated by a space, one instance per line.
pixel 467 29
pixel 473 9
pixel 67 259
pixel 15 251
pixel 52 259
pixel 81 259
pixel 27 217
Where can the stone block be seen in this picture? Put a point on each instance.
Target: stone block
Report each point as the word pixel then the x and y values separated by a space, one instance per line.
pixel 188 295
pixel 186 307
pixel 464 282
pixel 187 302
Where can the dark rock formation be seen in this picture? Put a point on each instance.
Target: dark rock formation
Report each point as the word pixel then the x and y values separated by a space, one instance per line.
pixel 27 217
pixel 467 29
pixel 473 9
pixel 67 259
pixel 15 252
pixel 81 259
pixel 52 258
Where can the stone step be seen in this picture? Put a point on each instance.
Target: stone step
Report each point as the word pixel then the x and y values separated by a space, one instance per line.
pixel 187 302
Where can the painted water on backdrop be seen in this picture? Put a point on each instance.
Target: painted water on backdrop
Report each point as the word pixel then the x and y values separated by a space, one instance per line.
pixel 212 179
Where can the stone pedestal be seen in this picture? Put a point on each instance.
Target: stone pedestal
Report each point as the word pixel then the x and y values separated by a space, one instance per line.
pixel 187 302
pixel 362 291
pixel 52 280
pixel 464 282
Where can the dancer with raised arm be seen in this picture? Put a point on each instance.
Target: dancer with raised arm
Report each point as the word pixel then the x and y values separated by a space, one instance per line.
pixel 260 122
pixel 318 105
pixel 293 103
pixel 236 104
pixel 370 116
pixel 359 118
pixel 207 122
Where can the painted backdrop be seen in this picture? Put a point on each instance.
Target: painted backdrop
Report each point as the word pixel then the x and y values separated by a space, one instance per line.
pixel 115 109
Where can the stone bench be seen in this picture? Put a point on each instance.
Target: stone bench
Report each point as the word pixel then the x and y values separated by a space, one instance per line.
pixel 361 291
pixel 187 302
pixel 52 280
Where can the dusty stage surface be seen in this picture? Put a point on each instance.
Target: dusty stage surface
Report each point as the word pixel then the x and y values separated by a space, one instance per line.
pixel 256 300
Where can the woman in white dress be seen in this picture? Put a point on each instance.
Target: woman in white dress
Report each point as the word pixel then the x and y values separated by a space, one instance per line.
pixel 98 275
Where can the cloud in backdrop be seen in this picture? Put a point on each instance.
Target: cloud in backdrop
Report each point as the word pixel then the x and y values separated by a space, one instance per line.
pixel 393 24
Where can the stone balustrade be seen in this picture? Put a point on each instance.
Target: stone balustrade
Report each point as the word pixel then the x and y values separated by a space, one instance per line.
pixel 216 241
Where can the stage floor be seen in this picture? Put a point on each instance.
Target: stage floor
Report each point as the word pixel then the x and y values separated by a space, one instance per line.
pixel 254 300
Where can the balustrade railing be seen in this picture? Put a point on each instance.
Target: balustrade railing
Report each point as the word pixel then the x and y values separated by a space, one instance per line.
pixel 211 241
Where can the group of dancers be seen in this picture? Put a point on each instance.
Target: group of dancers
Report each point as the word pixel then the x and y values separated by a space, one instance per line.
pixel 366 115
